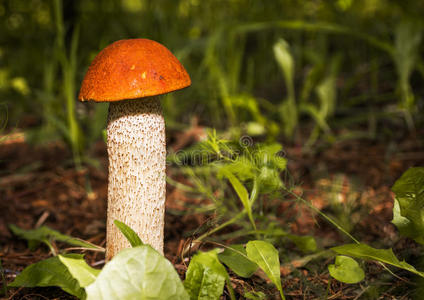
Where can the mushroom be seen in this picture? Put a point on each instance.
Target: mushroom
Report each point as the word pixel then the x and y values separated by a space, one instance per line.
pixel 130 74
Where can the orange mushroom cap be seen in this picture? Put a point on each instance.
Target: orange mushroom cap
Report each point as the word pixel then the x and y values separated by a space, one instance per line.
pixel 130 69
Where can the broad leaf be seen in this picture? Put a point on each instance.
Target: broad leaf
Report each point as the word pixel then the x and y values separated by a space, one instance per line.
pixel 305 243
pixel 137 273
pixel 404 225
pixel 266 256
pixel 79 269
pixel 205 277
pixel 236 259
pixel 130 234
pixel 50 272
pixel 408 212
pixel 369 253
pixel 346 270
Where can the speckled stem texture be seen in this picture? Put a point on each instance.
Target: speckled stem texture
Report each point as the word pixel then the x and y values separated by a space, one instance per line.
pixel 137 159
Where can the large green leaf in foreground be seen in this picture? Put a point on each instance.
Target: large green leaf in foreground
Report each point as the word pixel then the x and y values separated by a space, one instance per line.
pixel 236 259
pixel 79 269
pixel 369 253
pixel 205 278
pixel 408 211
pixel 266 257
pixel 137 273
pixel 346 269
pixel 50 272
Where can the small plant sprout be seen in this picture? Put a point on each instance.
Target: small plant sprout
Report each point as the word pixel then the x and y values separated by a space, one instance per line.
pixel 130 74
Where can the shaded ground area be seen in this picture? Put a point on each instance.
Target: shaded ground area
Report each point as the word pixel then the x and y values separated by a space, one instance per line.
pixel 349 180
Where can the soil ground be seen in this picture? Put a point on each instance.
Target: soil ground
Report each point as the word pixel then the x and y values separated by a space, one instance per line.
pixel 39 186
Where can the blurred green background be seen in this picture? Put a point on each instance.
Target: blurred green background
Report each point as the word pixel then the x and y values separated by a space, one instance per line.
pixel 300 72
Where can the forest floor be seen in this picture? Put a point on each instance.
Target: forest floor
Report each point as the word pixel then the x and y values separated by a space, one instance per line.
pixel 39 186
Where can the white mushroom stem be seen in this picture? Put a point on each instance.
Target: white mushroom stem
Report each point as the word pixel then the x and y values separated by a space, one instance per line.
pixel 137 158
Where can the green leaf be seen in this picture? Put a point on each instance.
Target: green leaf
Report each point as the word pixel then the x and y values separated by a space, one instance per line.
pixel 369 253
pixel 408 37
pixel 344 4
pixel 236 259
pixel 243 168
pixel 79 269
pixel 50 272
pixel 406 227
pixel 408 211
pixel 326 92
pixel 45 234
pixel 137 273
pixel 289 116
pixel 305 243
pixel 255 128
pixel 269 180
pixel 205 277
pixel 277 158
pixel 346 270
pixel 288 109
pixel 241 193
pixel 266 256
pixel 285 61
pixel 254 295
pixel 130 234
pixel 238 187
pixel 268 155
